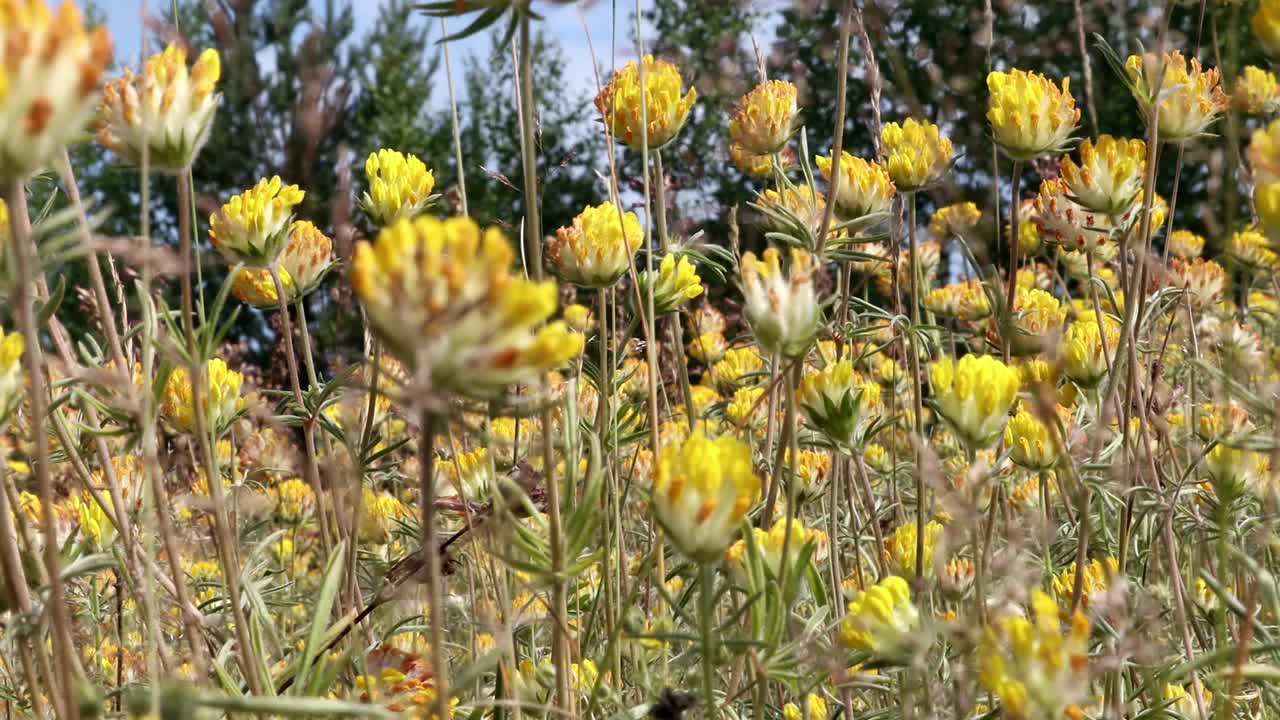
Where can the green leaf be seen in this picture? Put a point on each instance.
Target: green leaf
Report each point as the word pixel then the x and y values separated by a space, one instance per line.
pixel 321 611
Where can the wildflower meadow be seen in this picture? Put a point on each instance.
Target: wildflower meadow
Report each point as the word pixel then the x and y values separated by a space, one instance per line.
pixel 861 359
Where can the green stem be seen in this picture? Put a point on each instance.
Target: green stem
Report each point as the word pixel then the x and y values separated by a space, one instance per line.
pixel 706 620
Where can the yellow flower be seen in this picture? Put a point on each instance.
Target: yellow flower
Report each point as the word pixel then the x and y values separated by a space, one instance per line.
pixel 956 219
pixel 596 249
pixel 167 109
pixel 50 66
pixel 307 256
pixel 400 186
pixel 467 475
pixel 1180 700
pixel 916 154
pixel 707 348
pixel 812 467
pixel 1031 442
pixel 1065 221
pixel 1252 250
pixel 1029 115
pixel 880 618
pixel 676 282
pixel 220 398
pixel 378 510
pixel 95 522
pixel 966 300
pixel 769 543
pixel 1265 24
pixel 634 376
pixel 442 293
pixel 1264 153
pixel 1204 280
pixel 665 107
pixel 253 227
pixel 743 409
pixel 294 498
pixel 1035 668
pixel 1097 577
pixel 1191 98
pixel 765 116
pixel 900 547
pixel 1037 316
pixel 1109 178
pixel 816 706
pixel 702 490
pixel 1083 359
pixel 1266 200
pixel 840 402
pixel 1186 244
pixel 865 187
pixel 1256 91
pixel 974 395
pixel 796 210
pixel 781 308
pixel 734 368
pixel 1233 470
pixel 11 377
pixel 754 165
pixel 578 317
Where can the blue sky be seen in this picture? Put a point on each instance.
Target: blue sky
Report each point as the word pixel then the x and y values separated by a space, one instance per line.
pixel 564 22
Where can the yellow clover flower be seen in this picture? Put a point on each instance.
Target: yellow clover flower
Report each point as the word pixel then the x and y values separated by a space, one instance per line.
pixel 1252 251
pixel 1191 97
pixel 11 376
pixel 665 107
pixel 1186 244
pixel 1065 221
pixel 916 154
pixel 1037 316
pixel 252 228
pixel 1029 115
pixel 702 490
pixel 220 398
pixel 769 543
pixel 765 118
pixel 400 186
pixel 966 300
pixel 167 109
pixel 974 396
pixel 1265 24
pixel 865 187
pixel 596 249
pixel 1108 179
pixel 734 368
pixel 1083 359
pixel 840 402
pixel 1266 201
pixel 1204 280
pixel 1256 91
pixel 880 618
pixel 1097 578
pixel 1035 668
pixel 754 165
pixel 900 547
pixel 441 293
pixel 307 256
pixel 956 220
pixel 1032 443
pixel 781 308
pixel 676 281
pixel 50 67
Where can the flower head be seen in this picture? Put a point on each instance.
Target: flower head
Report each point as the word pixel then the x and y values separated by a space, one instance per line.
pixel 772 542
pixel 1186 244
pixel 1096 578
pixel 1032 443
pixel 167 109
pixel 735 368
pixel 880 618
pixel 955 220
pixel 307 256
pixel 1029 115
pixel 442 294
pixel 865 187
pixel 1253 251
pixel 840 402
pixel 1108 179
pixel 1204 280
pixel 664 107
pixel 1256 91
pixel 220 398
pixel 676 281
pixel 754 165
pixel 916 154
pixel 1266 201
pixel 596 249
pixel 1035 668
pixel 782 308
pixel 11 378
pixel 900 547
pixel 965 300
pixel 1191 97
pixel 1265 24
pixel 1264 153
pixel 765 117
pixel 50 66
pixel 1066 221
pixel 1037 315
pixel 702 490
pixel 400 186
pixel 252 228
pixel 1086 348
pixel 974 396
